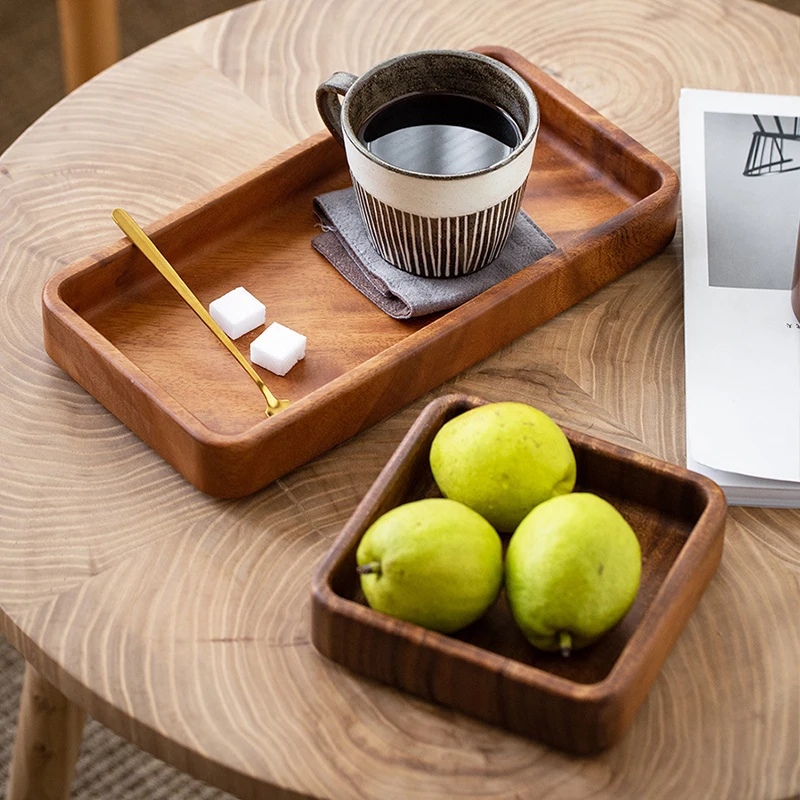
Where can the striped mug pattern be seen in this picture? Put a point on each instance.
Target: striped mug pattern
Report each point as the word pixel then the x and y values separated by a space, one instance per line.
pixel 435 226
pixel 440 247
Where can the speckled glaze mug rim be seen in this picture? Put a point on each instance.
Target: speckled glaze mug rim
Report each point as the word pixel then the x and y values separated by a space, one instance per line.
pixel 521 83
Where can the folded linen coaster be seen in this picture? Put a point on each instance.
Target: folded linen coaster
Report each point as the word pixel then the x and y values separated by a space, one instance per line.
pixel 344 242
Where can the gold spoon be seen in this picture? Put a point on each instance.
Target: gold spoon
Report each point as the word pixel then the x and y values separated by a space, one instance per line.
pixel 154 255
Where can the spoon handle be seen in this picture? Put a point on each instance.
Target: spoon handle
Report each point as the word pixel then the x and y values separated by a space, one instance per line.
pixel 132 230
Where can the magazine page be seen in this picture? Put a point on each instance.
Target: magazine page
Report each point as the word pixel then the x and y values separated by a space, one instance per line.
pixel 740 173
pixel 745 490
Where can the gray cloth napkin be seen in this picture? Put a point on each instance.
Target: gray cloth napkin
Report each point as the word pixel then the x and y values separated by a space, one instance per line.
pixel 344 242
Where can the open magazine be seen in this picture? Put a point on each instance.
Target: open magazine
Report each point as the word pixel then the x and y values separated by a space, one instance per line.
pixel 740 173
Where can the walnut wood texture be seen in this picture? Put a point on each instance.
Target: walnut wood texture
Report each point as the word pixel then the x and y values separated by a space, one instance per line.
pixel 132 343
pixel 47 742
pixel 182 622
pixel 582 704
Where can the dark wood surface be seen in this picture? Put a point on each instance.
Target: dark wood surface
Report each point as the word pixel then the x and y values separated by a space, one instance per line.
pixel 583 703
pixel 123 333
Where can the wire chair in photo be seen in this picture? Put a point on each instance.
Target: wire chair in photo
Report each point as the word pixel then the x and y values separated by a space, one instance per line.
pixel 766 153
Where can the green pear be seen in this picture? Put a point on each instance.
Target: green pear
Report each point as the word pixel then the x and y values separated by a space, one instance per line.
pixel 502 460
pixel 573 568
pixel 433 562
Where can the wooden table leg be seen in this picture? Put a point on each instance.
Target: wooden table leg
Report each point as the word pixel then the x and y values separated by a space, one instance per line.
pixel 89 38
pixel 48 739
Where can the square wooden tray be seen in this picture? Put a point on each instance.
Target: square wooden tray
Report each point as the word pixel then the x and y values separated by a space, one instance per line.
pixel 115 325
pixel 584 703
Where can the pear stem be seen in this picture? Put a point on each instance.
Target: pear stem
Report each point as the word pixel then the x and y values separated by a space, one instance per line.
pixel 373 568
pixel 565 643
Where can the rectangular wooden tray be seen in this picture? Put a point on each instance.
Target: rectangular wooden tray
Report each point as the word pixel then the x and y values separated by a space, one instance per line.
pixel 113 323
pixel 584 703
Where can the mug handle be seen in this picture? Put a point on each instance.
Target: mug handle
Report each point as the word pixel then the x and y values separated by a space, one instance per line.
pixel 329 105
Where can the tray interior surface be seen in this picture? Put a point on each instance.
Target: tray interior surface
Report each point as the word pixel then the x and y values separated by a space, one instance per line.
pixel 267 250
pixel 662 533
pixel 582 704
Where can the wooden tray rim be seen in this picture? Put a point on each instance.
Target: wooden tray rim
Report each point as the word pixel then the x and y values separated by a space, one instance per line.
pixel 455 318
pixel 709 526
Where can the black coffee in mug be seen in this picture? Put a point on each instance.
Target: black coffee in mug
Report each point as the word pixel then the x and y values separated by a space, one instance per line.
pixel 439 144
pixel 440 134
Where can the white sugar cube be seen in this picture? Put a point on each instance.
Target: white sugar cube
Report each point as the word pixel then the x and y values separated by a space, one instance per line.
pixel 237 312
pixel 278 349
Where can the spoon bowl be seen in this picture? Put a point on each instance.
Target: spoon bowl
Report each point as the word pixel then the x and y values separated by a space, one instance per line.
pixel 139 238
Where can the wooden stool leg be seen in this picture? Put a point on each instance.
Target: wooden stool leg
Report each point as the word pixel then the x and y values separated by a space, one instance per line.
pixel 89 38
pixel 48 739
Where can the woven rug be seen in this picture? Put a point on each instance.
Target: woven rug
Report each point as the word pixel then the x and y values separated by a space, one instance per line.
pixel 109 768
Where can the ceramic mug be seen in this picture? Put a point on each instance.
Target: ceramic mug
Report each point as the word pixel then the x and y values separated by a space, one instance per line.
pixel 433 225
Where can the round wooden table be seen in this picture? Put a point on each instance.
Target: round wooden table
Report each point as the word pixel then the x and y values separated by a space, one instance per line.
pixel 182 622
